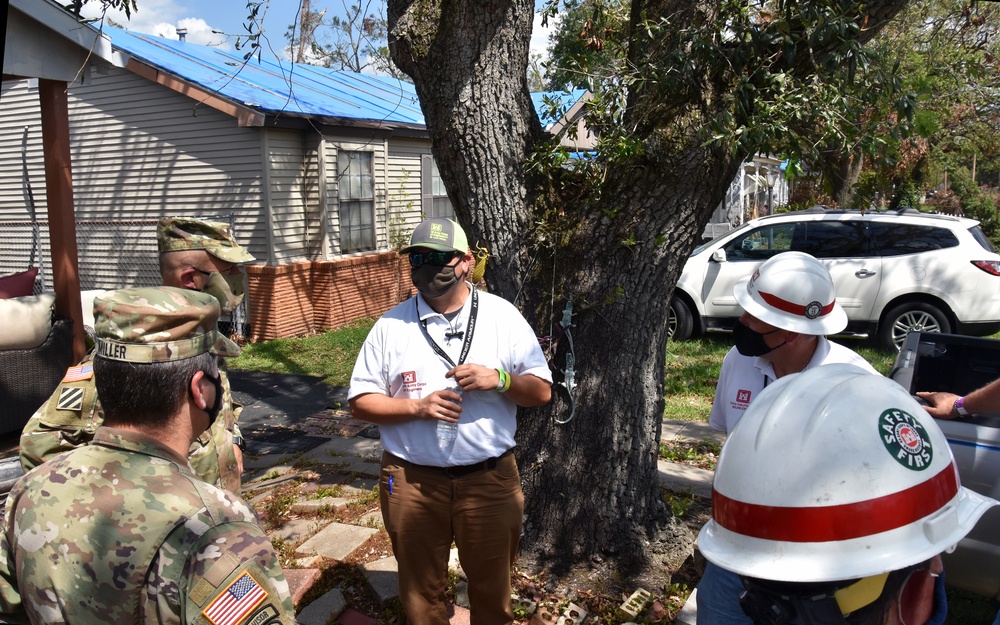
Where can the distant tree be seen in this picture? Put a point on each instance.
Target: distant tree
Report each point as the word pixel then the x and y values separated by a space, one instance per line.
pixel 945 56
pixel 355 41
pixel 589 44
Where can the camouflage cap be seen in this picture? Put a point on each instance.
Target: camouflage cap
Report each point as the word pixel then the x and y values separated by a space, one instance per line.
pixel 438 233
pixel 158 324
pixel 174 234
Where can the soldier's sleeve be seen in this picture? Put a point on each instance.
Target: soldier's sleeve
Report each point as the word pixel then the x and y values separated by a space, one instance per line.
pixel 229 575
pixel 67 420
pixel 11 607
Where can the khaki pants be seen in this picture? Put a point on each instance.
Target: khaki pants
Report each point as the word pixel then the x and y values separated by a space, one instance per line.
pixel 426 509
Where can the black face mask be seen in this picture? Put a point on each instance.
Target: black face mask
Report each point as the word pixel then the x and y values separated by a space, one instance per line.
pixel 433 280
pixel 213 412
pixel 751 343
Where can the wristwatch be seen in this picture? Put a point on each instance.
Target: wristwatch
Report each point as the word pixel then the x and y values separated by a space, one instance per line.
pixel 960 407
pixel 240 442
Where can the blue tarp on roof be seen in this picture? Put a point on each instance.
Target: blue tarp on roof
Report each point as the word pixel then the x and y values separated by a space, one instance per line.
pixel 277 87
pixel 564 101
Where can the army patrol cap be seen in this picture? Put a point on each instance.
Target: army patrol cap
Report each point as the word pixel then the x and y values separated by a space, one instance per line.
pixel 158 324
pixel 439 234
pixel 175 234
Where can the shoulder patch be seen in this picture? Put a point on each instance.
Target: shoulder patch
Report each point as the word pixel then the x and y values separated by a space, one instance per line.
pixel 70 398
pixel 79 372
pixel 235 602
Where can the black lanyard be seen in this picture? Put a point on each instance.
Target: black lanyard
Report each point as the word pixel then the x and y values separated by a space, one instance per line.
pixel 466 344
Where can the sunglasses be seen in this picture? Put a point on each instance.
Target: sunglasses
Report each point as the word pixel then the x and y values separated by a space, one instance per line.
pixel 419 259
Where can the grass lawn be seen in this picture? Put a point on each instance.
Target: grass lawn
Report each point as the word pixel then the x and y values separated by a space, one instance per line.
pixel 330 355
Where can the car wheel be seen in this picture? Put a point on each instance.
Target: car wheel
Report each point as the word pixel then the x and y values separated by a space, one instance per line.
pixel 910 317
pixel 681 323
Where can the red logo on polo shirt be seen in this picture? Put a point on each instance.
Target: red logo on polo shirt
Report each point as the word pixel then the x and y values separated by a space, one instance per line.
pixel 409 377
pixel 743 396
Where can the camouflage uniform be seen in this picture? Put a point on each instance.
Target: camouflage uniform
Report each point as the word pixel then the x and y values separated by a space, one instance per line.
pixel 73 412
pixel 122 530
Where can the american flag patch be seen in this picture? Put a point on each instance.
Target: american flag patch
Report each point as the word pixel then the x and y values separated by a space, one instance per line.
pixel 79 372
pixel 235 602
pixel 70 398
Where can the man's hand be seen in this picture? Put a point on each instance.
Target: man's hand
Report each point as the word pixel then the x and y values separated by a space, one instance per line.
pixel 941 405
pixel 472 377
pixel 441 405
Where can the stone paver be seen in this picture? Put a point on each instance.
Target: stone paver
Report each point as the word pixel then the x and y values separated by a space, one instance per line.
pixel 315 506
pixel 337 541
pixel 320 611
pixel 690 430
pixel 296 530
pixel 683 477
pixel 353 617
pixel 300 581
pixel 383 577
pixel 338 450
pixel 371 519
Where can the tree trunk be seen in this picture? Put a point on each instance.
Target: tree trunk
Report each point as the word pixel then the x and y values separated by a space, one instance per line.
pixel 843 170
pixel 615 248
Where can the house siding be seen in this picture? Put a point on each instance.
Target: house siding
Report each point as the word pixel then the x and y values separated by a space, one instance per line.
pixel 141 151
pixel 294 195
pixel 404 209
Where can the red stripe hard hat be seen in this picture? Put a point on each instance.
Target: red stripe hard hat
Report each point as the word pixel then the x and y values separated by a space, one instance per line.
pixel 835 473
pixel 792 291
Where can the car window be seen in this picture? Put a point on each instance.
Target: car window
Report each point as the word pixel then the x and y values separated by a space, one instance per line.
pixel 893 239
pixel 981 238
pixel 761 243
pixel 831 239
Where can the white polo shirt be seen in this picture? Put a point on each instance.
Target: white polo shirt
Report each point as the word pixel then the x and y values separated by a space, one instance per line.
pixel 398 361
pixel 743 377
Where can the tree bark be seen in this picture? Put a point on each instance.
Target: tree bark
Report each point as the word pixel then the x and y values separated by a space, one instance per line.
pixel 615 249
pixel 843 170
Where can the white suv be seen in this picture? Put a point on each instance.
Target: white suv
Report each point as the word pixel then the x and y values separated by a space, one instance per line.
pixel 895 271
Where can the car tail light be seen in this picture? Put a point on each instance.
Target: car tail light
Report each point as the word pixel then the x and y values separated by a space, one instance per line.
pixel 991 267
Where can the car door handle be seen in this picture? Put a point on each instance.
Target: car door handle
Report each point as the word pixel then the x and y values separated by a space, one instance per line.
pixel 864 273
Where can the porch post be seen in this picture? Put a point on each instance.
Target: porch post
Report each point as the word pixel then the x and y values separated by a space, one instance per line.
pixel 59 198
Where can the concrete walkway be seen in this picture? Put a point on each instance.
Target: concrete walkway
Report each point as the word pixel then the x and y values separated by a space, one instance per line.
pixel 293 421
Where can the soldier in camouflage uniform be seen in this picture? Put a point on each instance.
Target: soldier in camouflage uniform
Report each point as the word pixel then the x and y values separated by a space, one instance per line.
pixel 194 254
pixel 122 530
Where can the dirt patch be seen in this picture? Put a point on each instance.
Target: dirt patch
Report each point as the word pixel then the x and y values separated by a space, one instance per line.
pixel 601 590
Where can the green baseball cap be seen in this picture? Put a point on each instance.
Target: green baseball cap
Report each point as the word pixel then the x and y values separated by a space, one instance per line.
pixel 158 324
pixel 440 234
pixel 174 234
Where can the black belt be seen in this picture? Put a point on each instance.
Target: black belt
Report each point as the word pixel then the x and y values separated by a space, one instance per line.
pixel 468 469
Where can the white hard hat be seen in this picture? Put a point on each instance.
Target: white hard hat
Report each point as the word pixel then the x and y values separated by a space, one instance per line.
pixel 792 291
pixel 833 474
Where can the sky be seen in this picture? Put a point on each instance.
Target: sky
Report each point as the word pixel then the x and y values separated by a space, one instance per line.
pixel 201 18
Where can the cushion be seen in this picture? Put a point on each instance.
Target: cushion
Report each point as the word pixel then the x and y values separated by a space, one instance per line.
pixel 87 303
pixel 18 284
pixel 27 320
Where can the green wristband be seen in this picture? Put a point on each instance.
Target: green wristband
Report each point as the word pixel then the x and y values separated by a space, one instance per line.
pixel 503 382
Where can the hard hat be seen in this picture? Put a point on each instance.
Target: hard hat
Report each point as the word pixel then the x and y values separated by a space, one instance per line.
pixel 833 474
pixel 792 291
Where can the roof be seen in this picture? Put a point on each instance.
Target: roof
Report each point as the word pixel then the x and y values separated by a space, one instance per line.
pixel 44 40
pixel 565 103
pixel 277 87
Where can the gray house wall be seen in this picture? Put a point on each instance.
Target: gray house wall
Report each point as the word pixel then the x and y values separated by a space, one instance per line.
pixel 141 151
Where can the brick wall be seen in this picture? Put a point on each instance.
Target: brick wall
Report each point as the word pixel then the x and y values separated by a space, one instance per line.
pixel 297 299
